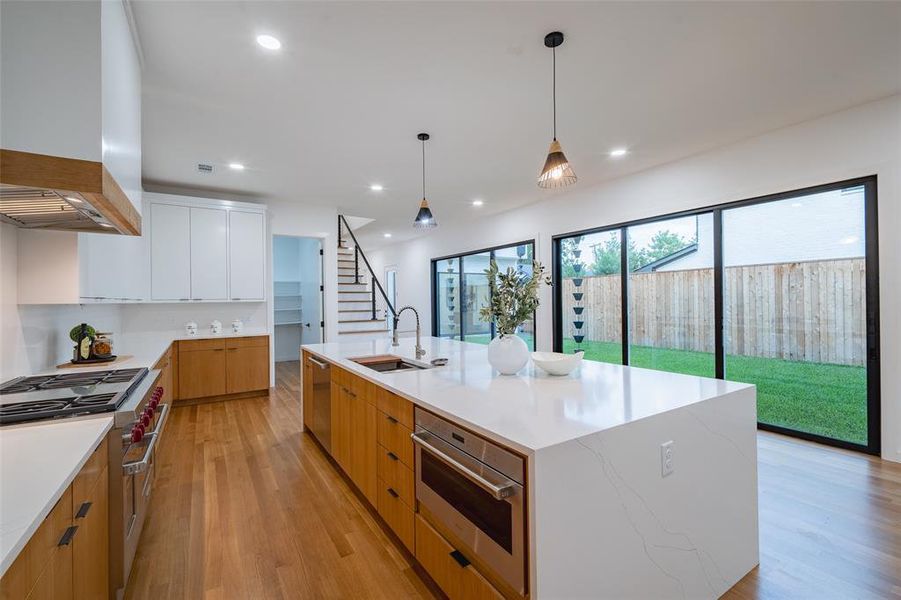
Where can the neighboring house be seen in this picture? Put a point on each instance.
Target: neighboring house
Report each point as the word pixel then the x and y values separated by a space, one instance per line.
pixel 816 227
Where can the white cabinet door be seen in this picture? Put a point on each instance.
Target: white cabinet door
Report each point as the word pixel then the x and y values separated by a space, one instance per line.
pixel 247 255
pixel 111 268
pixel 170 252
pixel 209 247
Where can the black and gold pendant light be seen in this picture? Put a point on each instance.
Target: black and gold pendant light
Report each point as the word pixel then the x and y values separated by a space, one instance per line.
pixel 557 171
pixel 424 218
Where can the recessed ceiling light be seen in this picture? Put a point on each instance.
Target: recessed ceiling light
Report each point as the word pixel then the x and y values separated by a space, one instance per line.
pixel 387 235
pixel 268 42
pixel 617 152
pixel 236 166
pixel 376 187
pixel 478 202
pixel 106 225
pixel 73 199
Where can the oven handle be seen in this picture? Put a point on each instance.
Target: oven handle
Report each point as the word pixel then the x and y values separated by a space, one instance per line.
pixel 500 492
pixel 139 466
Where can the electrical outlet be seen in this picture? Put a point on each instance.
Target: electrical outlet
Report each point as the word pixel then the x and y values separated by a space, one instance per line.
pixel 666 458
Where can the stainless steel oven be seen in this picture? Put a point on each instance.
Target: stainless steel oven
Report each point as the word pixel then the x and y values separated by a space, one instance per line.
pixel 137 433
pixel 475 489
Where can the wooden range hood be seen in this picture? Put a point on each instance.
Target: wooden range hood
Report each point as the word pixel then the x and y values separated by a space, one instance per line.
pixel 37 192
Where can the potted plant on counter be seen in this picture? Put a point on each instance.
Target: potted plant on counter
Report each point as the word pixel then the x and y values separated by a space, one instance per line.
pixel 513 300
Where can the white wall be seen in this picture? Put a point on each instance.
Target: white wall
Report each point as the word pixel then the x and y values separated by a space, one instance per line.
pixel 861 141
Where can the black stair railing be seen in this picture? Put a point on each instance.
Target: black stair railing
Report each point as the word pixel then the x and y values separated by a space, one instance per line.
pixel 358 253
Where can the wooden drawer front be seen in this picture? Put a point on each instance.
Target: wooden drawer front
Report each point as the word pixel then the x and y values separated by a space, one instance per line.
pixel 395 437
pixel 194 345
pixel 396 475
pixel 361 387
pixel 87 478
pixel 396 514
pixel 393 405
pixel 458 579
pixel 339 375
pixel 257 341
pixel 38 555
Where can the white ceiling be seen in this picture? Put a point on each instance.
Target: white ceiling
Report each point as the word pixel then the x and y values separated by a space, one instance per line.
pixel 339 106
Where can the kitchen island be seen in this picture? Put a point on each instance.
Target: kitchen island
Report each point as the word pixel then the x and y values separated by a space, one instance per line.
pixel 637 483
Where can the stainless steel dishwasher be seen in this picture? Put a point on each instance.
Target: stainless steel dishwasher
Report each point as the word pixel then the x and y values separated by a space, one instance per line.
pixel 322 402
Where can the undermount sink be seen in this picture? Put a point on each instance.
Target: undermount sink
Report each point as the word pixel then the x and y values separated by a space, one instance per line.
pixel 388 363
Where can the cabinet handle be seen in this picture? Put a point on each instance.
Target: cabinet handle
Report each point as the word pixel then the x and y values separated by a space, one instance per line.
pixel 349 393
pixel 232 349
pixel 236 299
pixel 392 419
pixel 392 492
pixel 67 536
pixel 183 299
pixel 218 349
pixel 392 456
pixel 461 560
pixel 198 299
pixel 83 511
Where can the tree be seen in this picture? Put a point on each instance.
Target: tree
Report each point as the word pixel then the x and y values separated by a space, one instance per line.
pixel 665 242
pixel 607 256
pixel 569 248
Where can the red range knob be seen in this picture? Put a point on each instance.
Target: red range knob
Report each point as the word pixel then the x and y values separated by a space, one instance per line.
pixel 137 433
pixel 154 402
pixel 158 393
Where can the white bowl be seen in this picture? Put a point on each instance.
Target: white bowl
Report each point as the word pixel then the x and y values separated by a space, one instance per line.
pixel 555 363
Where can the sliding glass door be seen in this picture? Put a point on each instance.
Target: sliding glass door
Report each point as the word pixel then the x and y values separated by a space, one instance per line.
pixel 780 291
pixel 460 290
pixel 795 310
pixel 670 291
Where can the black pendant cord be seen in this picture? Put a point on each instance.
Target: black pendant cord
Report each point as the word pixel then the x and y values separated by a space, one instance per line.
pixel 423 169
pixel 554 86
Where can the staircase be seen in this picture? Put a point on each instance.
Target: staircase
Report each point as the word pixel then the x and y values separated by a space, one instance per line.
pixel 362 304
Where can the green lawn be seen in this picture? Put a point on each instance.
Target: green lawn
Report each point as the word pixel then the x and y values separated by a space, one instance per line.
pixel 829 400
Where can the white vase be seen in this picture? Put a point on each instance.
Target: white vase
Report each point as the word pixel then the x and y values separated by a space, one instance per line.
pixel 508 354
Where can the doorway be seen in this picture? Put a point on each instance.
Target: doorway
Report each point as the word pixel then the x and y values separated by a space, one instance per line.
pixel 297 294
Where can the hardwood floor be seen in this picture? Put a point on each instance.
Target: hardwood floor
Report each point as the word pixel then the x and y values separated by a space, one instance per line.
pixel 246 506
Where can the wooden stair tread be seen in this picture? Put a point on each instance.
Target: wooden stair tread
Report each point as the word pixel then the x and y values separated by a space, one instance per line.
pixel 362 321
pixel 370 331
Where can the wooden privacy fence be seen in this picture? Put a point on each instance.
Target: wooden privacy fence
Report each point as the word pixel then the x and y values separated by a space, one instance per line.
pixel 806 311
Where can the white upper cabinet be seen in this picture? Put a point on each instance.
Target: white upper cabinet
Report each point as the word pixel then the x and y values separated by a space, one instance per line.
pixel 247 255
pixel 170 252
pixel 206 250
pixel 209 246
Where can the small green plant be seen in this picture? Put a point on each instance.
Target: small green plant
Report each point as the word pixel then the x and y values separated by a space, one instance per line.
pixel 513 296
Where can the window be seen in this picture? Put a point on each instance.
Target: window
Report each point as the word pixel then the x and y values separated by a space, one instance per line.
pixel 460 290
pixel 779 291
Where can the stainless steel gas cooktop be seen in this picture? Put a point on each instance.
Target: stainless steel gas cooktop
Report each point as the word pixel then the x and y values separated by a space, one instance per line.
pixel 70 394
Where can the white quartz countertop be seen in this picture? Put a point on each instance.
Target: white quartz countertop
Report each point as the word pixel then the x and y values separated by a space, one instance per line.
pixel 531 410
pixel 37 464
pixel 146 348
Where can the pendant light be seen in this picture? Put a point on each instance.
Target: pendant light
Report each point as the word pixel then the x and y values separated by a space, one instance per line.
pixel 424 218
pixel 556 171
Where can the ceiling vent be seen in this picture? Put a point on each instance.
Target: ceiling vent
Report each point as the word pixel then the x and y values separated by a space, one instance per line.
pixel 204 168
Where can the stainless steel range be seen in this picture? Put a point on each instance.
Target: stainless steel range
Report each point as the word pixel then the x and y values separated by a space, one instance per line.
pixel 132 397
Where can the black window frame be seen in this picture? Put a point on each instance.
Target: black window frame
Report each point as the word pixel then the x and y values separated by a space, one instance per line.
pixel 459 258
pixel 871 258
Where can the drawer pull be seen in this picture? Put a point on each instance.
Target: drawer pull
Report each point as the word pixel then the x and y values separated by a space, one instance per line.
pixel 67 536
pixel 349 393
pixel 392 419
pixel 461 560
pixel 392 456
pixel 83 511
pixel 392 492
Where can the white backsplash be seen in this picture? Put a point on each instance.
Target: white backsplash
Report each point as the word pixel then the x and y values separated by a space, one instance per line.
pixel 171 318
